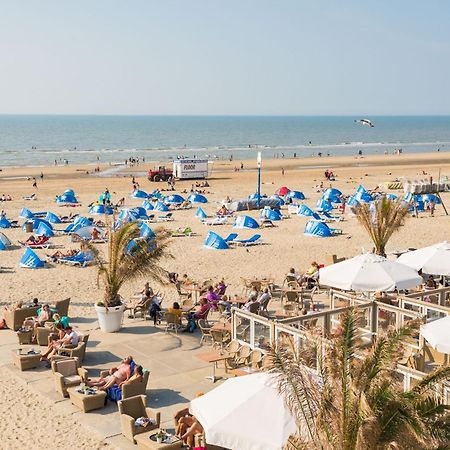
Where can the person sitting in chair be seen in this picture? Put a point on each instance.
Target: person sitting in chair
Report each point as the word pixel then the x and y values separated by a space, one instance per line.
pixel 70 339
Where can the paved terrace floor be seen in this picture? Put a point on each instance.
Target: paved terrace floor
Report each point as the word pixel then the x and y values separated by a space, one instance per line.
pixel 176 375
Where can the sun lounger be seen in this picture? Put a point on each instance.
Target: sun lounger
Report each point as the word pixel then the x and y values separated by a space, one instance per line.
pixel 216 221
pixel 331 218
pixel 254 240
pixel 43 243
pixel 267 223
pixel 186 232
pixel 165 218
pixel 30 197
pixel 231 237
pixel 81 259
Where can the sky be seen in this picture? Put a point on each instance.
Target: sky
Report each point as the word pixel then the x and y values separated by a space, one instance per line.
pixel 233 57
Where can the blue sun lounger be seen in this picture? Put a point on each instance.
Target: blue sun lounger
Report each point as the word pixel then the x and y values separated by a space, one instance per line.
pixel 231 237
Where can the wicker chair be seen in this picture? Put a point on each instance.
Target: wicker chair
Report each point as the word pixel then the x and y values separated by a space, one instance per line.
pixel 43 333
pixel 131 409
pixel 78 351
pixel 131 390
pixel 173 322
pixel 240 359
pixel 255 359
pixel 62 306
pixel 220 339
pixel 205 329
pixel 66 374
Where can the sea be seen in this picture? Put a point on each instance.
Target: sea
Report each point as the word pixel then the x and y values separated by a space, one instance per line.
pixel 39 140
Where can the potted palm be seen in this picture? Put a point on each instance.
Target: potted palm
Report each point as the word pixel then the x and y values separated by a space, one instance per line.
pixel 129 258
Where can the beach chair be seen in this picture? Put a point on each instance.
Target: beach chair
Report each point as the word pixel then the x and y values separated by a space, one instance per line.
pixel 267 223
pixel 133 408
pixel 185 232
pixel 42 243
pixel 81 259
pixel 231 237
pixel 240 359
pixel 30 197
pixel 255 359
pixel 254 240
pixel 79 351
pixel 331 218
pixel 216 221
pixel 220 339
pixel 168 217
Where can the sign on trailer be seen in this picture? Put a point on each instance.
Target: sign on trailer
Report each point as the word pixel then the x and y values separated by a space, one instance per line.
pixel 190 168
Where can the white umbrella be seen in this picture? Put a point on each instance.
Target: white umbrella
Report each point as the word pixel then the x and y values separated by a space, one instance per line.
pixel 369 273
pixel 437 333
pixel 433 260
pixel 245 413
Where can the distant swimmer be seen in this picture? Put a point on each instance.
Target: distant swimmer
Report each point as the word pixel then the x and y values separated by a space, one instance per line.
pixel 366 122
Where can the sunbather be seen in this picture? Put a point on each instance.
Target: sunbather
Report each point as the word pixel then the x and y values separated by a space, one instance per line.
pixel 70 339
pixel 95 235
pixel 117 375
pixel 58 254
pixel 43 316
pixel 223 211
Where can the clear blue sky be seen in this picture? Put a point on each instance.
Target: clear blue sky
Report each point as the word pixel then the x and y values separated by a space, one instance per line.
pixel 225 57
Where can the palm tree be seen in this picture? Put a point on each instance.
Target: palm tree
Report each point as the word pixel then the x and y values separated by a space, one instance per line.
pixel 129 258
pixel 357 401
pixel 381 219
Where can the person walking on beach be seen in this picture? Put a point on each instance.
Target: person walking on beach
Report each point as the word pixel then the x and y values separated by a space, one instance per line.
pixel 34 183
pixel 42 176
pixel 282 171
pixel 432 207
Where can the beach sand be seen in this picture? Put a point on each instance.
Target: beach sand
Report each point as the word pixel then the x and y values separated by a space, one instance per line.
pixel 286 246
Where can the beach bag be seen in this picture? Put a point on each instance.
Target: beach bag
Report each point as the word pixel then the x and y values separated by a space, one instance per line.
pixel 191 325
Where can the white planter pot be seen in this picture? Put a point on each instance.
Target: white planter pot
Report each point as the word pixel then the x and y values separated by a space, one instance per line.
pixel 110 320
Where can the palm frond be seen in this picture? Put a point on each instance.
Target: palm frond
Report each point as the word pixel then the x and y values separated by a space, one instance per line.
pixel 381 219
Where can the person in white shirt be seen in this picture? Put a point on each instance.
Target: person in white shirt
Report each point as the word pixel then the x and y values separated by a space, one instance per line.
pixel 252 299
pixel 264 299
pixel 70 339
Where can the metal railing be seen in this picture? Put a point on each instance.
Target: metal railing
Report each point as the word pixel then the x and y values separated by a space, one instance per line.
pixel 260 332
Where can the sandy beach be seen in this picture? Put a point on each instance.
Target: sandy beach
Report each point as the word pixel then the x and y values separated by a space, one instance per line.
pixel 284 246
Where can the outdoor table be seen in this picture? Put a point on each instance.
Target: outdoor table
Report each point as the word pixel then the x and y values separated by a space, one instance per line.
pixel 86 402
pixel 213 357
pixel 220 326
pixel 147 441
pixel 194 289
pixel 24 360
pixel 238 300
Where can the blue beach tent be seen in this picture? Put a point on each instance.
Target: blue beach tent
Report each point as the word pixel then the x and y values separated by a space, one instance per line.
pixel 197 198
pixel 352 201
pixel 139 194
pixel 140 212
pixel 160 206
pixel 30 260
pixel 67 198
pixel 430 198
pixel 333 195
pixel 245 222
pixel 4 222
pixel 44 229
pixel 213 240
pixel 146 231
pixel 4 242
pixel 147 205
pixel 52 218
pixel 128 215
pixel 270 214
pixel 173 199
pixel 25 213
pixel 323 206
pixel 200 214
pixel 305 211
pixel 100 210
pixel 295 195
pixel 317 229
